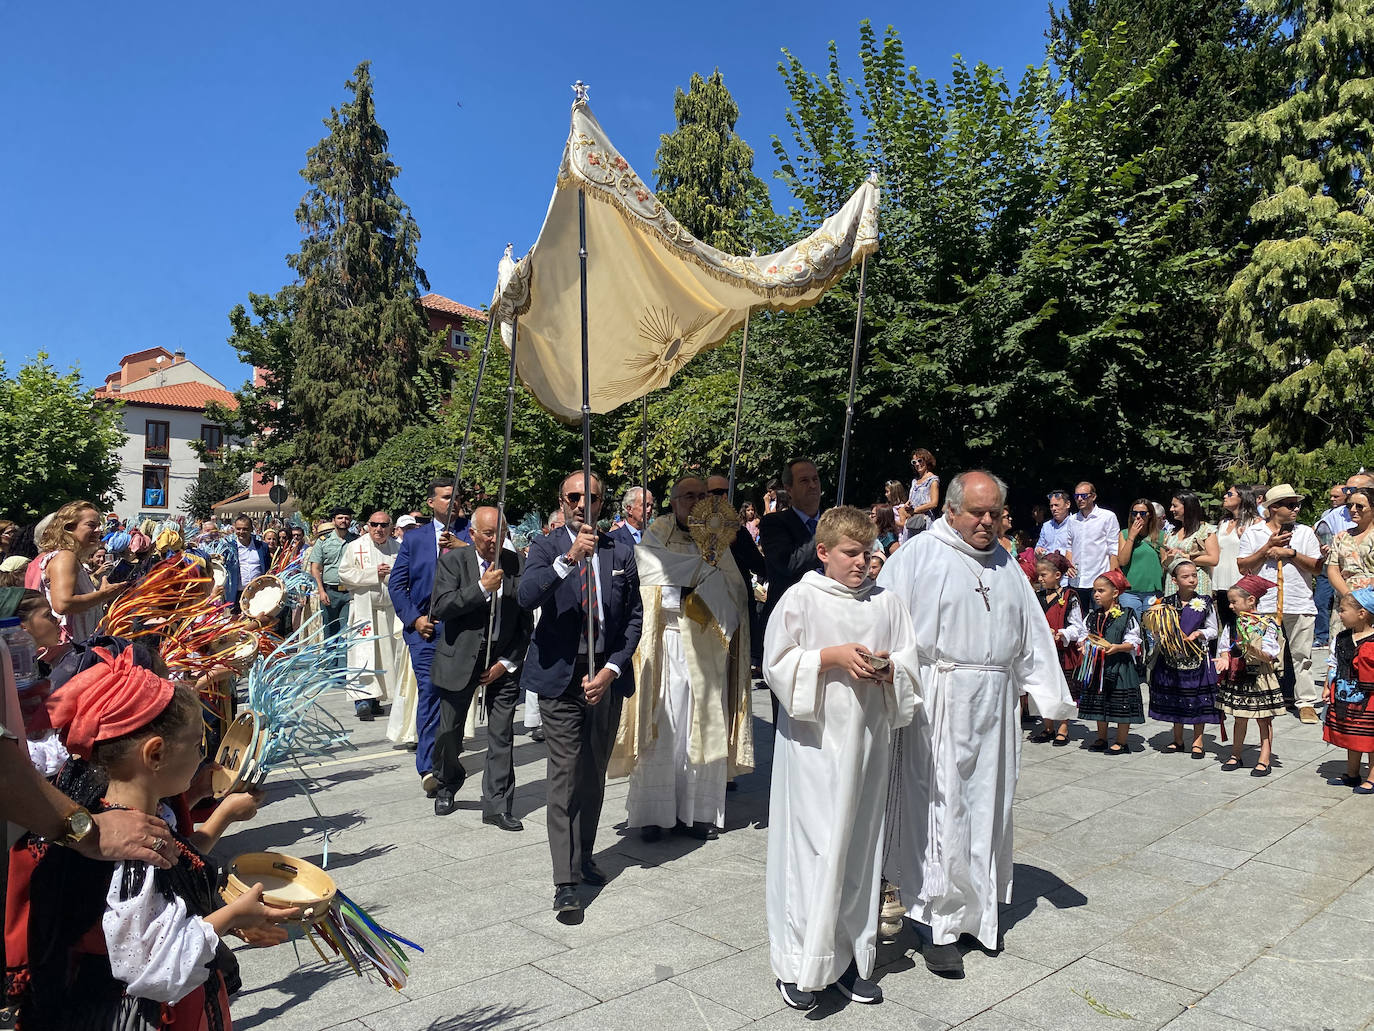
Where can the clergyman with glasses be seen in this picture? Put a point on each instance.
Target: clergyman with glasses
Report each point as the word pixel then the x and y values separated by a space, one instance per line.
pixel 363 570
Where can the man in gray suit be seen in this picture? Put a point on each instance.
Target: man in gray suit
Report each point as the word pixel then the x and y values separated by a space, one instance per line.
pixel 466 581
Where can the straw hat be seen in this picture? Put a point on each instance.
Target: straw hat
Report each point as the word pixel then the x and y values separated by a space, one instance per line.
pixel 1282 492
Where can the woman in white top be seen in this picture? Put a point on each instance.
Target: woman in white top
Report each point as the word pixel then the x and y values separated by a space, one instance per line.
pixel 70 539
pixel 1241 513
pixel 923 498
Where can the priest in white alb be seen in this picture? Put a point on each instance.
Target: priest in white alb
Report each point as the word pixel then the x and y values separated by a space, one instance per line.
pixel 363 570
pixel 688 728
pixel 983 642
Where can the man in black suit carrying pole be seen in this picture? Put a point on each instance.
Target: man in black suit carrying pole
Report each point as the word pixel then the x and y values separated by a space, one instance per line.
pixel 466 581
pixel 581 711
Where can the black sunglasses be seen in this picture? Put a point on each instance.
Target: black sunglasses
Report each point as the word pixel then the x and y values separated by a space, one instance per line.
pixel 718 492
pixel 387 523
pixel 575 497
pixel 1140 512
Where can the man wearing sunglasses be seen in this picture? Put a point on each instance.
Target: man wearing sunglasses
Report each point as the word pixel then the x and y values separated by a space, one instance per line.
pixel 573 576
pixel 1287 553
pixel 1093 538
pixel 363 572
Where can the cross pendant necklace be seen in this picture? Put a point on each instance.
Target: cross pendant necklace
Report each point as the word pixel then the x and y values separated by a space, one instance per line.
pixel 981 589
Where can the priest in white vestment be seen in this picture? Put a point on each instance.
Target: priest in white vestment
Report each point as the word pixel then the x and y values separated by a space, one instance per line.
pixel 688 728
pixel 831 760
pixel 363 570
pixel 983 642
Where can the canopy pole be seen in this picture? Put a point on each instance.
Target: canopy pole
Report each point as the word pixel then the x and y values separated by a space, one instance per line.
pixel 739 404
pixel 505 471
pixel 586 425
pixel 644 464
pixel 853 379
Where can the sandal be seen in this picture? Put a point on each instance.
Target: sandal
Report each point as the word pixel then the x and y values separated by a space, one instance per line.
pixel 1117 748
pixel 1262 770
pixel 1348 780
pixel 1367 788
pixel 1231 764
pixel 1040 737
pixel 1060 740
pixel 1172 747
pixel 1199 753
pixel 1100 745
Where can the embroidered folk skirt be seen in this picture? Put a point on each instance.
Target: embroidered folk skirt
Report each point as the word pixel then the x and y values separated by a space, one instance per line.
pixel 1351 724
pixel 1250 696
pixel 1184 695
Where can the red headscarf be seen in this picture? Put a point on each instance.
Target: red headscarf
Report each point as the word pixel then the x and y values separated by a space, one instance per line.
pixel 1255 586
pixel 112 698
pixel 1117 579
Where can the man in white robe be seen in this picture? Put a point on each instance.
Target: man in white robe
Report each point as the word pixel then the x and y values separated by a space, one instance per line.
pixel 688 728
pixel 983 642
pixel 363 572
pixel 831 760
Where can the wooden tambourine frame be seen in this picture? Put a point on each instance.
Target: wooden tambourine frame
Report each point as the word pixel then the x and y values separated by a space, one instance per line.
pixel 248 599
pixel 286 882
pixel 238 756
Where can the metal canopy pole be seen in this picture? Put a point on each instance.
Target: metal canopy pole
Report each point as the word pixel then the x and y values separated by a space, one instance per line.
pixel 586 427
pixel 505 471
pixel 644 464
pixel 739 404
pixel 853 379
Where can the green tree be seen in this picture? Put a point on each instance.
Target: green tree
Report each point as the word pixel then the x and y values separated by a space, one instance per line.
pixel 214 485
pixel 1298 315
pixel 57 442
pixel 705 174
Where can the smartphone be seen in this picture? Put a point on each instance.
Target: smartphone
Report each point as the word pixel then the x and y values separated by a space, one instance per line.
pixel 121 572
pixel 1287 527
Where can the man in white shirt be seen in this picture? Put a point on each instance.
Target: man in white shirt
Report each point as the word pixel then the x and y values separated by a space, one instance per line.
pixel 1093 537
pixel 1287 553
pixel 1335 520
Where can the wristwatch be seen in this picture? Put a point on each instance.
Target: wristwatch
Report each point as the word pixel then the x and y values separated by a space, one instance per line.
pixel 78 825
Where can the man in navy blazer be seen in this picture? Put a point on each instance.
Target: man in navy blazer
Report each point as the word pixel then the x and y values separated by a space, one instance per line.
pixel 411 586
pixel 637 516
pixel 580 711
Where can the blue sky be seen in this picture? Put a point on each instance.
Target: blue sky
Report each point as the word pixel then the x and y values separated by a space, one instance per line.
pixel 153 151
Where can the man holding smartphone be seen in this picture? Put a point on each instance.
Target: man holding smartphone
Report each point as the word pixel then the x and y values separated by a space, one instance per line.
pixel 1287 553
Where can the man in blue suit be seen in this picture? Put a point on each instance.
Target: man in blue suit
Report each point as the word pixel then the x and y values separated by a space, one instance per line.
pixel 638 515
pixel 247 560
pixel 580 709
pixel 411 586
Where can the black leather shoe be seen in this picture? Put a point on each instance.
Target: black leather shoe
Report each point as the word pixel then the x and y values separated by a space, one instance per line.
pixel 505 821
pixel 591 874
pixel 537 734
pixel 565 899
pixel 376 707
pixel 945 960
pixel 443 802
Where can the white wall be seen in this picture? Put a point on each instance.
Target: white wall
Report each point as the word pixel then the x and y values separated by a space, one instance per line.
pixel 185 465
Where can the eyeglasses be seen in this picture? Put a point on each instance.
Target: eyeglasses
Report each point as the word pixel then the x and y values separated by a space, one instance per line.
pixel 1349 490
pixel 379 525
pixel 1140 512
pixel 718 492
pixel 1080 497
pixel 1229 494
pixel 1294 505
pixel 575 498
pixel 916 462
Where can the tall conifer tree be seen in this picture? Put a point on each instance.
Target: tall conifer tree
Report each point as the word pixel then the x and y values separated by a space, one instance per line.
pixel 1300 313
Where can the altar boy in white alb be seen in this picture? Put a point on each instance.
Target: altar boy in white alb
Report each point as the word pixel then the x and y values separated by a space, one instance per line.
pixel 839 654
pixel 363 571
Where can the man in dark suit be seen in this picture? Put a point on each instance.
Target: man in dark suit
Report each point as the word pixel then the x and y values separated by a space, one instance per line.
pixel 788 538
pixel 580 710
pixel 411 586
pixel 638 515
pixel 466 582
pixel 247 560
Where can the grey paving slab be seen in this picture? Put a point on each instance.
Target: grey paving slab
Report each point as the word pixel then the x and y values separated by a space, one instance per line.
pixel 621 963
pixel 988 980
pixel 743 982
pixel 664 1006
pixel 514 1000
pixel 1197 1019
pixel 1088 994
pixel 475 954
pixel 739 921
pixel 1280 995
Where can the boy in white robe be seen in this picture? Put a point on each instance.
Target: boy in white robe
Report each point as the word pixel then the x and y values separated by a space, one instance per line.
pixel 363 572
pixel 839 655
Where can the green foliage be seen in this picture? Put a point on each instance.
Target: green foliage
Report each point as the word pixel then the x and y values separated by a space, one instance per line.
pixel 348 356
pixel 397 477
pixel 214 485
pixel 1298 316
pixel 57 442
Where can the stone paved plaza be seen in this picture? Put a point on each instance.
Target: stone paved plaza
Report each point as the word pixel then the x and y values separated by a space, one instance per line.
pixel 1151 891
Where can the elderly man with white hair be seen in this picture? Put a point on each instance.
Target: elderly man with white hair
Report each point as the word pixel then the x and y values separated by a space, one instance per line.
pixel 982 642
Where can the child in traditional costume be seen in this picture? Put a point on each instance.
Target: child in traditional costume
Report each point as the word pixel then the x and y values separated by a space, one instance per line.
pixel 1110 691
pixel 1248 684
pixel 839 654
pixel 1183 680
pixel 1065 617
pixel 1349 722
pixel 95 945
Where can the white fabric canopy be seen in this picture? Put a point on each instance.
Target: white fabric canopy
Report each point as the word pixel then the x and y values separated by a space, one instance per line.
pixel 656 295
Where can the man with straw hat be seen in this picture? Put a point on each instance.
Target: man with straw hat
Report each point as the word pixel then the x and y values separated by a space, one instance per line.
pixel 1286 552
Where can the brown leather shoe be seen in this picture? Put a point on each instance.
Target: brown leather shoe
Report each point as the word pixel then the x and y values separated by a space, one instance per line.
pixel 1307 714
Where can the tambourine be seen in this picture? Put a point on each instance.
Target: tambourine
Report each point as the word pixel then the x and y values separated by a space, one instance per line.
pixel 263 598
pixel 286 882
pixel 239 650
pixel 238 756
pixel 218 573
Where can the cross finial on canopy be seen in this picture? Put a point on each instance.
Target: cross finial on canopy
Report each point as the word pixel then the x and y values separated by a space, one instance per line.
pixel 579 89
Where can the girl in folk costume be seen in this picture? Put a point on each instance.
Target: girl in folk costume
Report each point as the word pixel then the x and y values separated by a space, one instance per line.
pixel 1065 617
pixel 1183 680
pixel 1349 720
pixel 1246 660
pixel 96 945
pixel 1109 678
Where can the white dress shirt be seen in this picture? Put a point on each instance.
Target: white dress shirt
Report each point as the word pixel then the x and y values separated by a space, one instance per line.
pixel 1093 539
pixel 250 564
